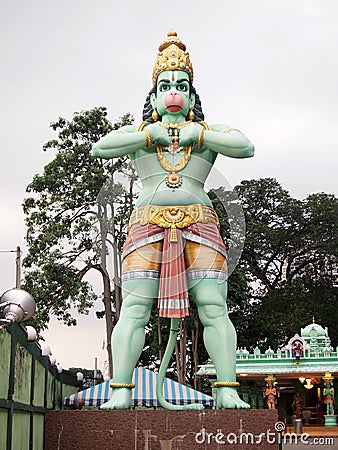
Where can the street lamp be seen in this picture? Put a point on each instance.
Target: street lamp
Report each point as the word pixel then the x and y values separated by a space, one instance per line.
pixel 16 305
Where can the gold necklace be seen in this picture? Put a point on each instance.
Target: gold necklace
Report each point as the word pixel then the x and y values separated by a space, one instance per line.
pixel 173 179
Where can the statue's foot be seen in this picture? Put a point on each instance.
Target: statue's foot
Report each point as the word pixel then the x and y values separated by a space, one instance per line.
pixel 120 399
pixel 228 398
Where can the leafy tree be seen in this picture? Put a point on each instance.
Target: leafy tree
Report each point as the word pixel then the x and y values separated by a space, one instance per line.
pixel 286 236
pixel 290 260
pixel 77 210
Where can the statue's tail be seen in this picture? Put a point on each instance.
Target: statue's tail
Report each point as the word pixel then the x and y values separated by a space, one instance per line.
pixel 163 368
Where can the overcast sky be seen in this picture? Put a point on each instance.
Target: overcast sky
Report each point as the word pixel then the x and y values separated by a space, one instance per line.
pixel 267 67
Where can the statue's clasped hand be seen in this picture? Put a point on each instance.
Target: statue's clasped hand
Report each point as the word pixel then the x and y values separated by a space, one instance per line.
pixel 189 134
pixel 159 135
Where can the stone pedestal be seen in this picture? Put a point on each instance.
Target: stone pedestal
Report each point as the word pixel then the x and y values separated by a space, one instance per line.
pixel 162 430
pixel 330 421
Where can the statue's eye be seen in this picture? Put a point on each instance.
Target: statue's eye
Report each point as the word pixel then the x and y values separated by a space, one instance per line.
pixel 182 87
pixel 164 87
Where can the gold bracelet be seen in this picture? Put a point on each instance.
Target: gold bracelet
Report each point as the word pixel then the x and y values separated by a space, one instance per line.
pixel 200 138
pixel 218 384
pixel 122 385
pixel 148 137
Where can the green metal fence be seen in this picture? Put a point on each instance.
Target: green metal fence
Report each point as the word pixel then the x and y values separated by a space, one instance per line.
pixel 28 387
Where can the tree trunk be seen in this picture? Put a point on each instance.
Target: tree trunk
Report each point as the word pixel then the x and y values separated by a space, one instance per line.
pixel 159 338
pixel 108 314
pixel 194 348
pixel 183 350
pixel 116 267
pixel 178 362
pixel 181 353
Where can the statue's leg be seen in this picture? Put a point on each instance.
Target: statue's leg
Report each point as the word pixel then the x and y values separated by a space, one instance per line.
pixel 128 336
pixel 219 336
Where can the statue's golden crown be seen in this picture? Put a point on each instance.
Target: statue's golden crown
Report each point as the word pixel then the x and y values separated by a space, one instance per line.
pixel 172 56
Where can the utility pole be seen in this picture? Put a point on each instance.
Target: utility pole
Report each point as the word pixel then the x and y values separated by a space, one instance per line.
pixel 18 268
pixel 17 264
pixel 95 371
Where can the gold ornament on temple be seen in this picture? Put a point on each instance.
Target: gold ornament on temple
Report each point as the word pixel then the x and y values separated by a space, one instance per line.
pixel 172 56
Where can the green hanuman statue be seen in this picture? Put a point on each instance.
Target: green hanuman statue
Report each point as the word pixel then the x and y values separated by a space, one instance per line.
pixel 173 246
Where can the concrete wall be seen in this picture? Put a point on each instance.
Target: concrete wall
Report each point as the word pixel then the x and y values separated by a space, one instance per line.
pixel 28 387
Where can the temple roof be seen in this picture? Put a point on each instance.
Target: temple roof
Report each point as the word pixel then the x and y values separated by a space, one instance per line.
pixel 314 330
pixel 315 356
pixel 278 366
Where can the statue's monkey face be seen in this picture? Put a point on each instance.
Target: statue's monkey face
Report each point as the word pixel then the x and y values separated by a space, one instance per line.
pixel 173 94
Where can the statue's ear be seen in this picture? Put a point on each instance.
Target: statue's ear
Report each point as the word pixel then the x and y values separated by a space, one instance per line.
pixel 153 99
pixel 192 101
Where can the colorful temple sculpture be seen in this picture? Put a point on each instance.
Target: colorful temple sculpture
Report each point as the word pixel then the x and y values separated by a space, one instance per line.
pixel 298 379
pixel 174 245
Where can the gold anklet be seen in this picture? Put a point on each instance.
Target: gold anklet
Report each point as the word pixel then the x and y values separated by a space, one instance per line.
pixel 219 384
pixel 122 385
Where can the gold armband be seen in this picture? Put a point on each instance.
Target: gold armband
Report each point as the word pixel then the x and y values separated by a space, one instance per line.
pixel 122 385
pixel 219 384
pixel 200 138
pixel 230 129
pixel 141 126
pixel 205 125
pixel 148 137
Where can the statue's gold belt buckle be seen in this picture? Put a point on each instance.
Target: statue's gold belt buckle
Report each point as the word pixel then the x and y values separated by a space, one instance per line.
pixel 173 218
